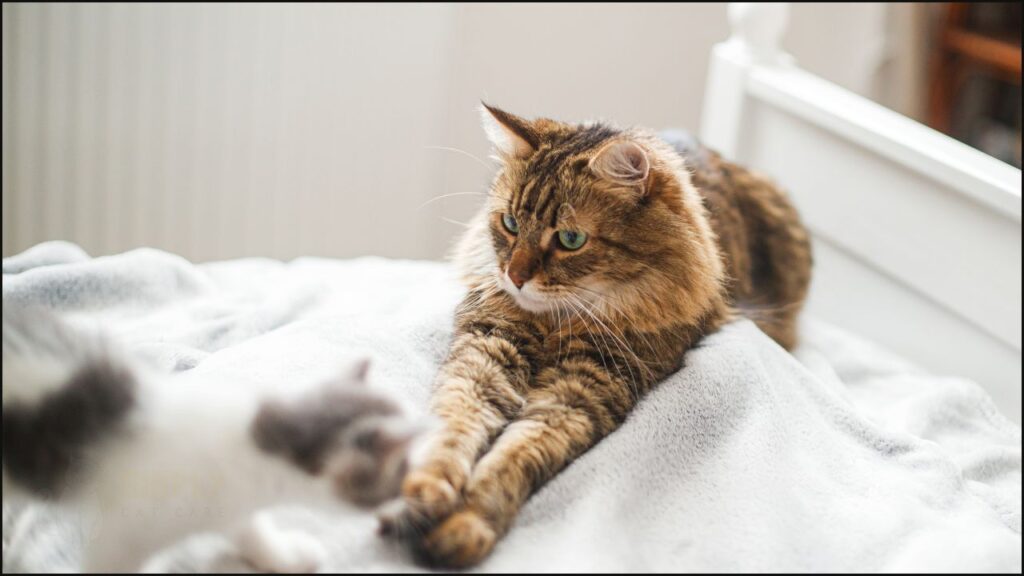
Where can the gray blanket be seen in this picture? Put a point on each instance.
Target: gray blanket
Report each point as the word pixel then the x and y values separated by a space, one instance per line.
pixel 840 458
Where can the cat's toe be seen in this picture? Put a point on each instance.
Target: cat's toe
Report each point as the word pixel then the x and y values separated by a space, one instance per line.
pixel 464 539
pixel 404 521
pixel 430 493
pixel 426 499
pixel 397 520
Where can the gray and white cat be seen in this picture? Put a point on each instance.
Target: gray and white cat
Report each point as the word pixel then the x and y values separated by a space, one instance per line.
pixel 148 459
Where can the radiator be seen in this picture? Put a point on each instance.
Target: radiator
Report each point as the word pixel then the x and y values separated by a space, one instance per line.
pixel 216 132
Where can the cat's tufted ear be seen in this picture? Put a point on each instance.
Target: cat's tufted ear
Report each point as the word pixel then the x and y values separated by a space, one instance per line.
pixel 623 162
pixel 512 136
pixel 357 372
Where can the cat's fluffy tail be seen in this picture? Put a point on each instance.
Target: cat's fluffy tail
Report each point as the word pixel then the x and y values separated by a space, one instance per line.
pixel 64 391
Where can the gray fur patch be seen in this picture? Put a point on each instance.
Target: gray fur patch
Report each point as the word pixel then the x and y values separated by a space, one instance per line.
pixel 303 432
pixel 44 442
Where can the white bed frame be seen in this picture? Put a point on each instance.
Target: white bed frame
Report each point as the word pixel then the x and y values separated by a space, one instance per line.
pixel 917 237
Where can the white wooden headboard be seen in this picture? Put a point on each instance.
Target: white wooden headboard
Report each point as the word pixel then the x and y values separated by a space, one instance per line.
pixel 917 237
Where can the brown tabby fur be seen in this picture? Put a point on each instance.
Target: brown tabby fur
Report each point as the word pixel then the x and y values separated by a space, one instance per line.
pixel 669 259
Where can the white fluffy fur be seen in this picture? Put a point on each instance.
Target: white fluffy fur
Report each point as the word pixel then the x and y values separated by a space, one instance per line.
pixel 188 465
pixel 184 463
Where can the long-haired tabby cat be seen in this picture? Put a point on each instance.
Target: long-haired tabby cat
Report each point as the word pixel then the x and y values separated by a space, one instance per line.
pixel 601 257
pixel 148 459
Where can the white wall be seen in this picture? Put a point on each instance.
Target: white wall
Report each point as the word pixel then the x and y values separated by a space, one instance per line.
pixel 218 131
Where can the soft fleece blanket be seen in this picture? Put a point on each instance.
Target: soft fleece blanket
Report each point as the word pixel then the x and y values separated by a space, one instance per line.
pixel 840 458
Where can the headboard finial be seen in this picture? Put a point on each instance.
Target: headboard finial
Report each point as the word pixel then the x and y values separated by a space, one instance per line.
pixel 757 28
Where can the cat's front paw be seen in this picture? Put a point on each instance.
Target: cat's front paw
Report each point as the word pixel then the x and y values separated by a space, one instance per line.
pixel 464 539
pixel 430 493
pixel 426 499
pixel 268 548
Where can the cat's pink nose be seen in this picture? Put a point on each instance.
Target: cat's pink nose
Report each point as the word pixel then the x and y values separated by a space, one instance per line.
pixel 518 277
pixel 521 267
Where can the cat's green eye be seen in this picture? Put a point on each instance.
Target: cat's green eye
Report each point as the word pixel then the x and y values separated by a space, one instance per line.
pixel 571 239
pixel 510 223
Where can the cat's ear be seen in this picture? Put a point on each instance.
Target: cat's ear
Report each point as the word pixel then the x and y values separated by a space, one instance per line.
pixel 512 136
pixel 357 373
pixel 623 162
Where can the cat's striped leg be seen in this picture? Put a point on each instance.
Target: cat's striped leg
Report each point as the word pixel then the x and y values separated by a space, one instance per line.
pixel 479 390
pixel 576 405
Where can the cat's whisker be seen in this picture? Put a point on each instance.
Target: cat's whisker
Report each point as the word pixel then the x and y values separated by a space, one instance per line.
pixel 570 330
pixel 607 349
pixel 625 317
pixel 622 347
pixel 450 195
pixel 486 166
pixel 450 221
pixel 558 314
pixel 605 299
pixel 576 311
pixel 482 292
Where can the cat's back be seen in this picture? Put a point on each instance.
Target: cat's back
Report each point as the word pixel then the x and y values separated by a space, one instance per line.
pixel 764 244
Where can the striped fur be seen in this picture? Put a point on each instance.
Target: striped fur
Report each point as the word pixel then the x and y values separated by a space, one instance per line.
pixel 537 375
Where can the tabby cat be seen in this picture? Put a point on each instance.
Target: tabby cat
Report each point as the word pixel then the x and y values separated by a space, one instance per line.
pixel 601 257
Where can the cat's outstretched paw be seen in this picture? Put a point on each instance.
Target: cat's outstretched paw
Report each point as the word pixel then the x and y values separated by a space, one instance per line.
pixel 427 498
pixel 400 521
pixel 464 539
pixel 430 493
pixel 271 549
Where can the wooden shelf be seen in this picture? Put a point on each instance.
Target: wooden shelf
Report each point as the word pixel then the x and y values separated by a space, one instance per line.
pixel 1001 54
pixel 958 51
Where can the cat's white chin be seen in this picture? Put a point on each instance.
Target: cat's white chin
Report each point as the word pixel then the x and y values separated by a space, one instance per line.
pixel 527 297
pixel 532 304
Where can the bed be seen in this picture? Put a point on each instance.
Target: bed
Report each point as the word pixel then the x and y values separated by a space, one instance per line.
pixel 917 237
pixel 887 442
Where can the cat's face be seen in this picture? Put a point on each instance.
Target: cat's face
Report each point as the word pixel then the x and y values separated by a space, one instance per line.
pixel 356 437
pixel 372 458
pixel 581 216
